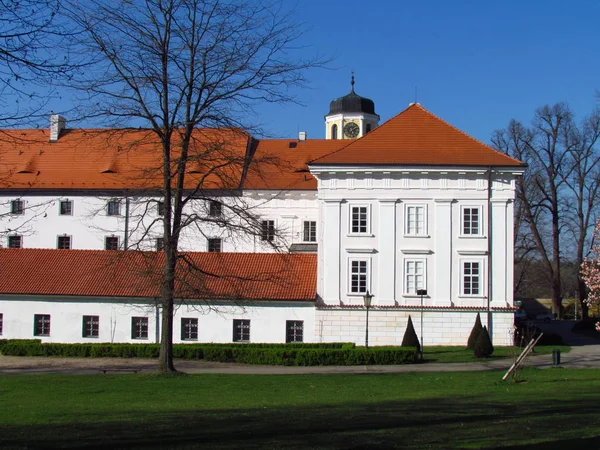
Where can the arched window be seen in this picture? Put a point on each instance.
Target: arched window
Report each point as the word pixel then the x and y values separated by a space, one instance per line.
pixel 368 128
pixel 334 132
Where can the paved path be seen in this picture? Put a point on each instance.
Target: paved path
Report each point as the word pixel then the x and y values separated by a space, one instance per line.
pixel 585 353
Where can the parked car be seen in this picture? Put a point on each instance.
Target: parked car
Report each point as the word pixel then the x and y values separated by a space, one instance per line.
pixel 546 317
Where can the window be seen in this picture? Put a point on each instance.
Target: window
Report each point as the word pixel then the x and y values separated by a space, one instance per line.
pixel 214 245
pixel 415 220
pixel 414 276
pixel 359 219
pixel 334 129
pixel 1 322
pixel 189 329
pixel 268 230
pixel 139 328
pixel 113 208
pixel 15 241
pixel 65 208
pixel 41 325
pixel 215 209
pixel 471 221
pixel 160 208
pixel 294 331
pixel 160 244
pixel 111 243
pixel 91 327
pixel 471 278
pixel 358 276
pixel 17 207
pixel 310 231
pixel 64 242
pixel 241 330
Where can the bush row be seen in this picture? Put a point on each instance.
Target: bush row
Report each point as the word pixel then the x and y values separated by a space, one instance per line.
pixel 299 355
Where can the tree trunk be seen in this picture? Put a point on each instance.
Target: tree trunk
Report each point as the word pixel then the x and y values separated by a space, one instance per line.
pixel 165 359
pixel 582 290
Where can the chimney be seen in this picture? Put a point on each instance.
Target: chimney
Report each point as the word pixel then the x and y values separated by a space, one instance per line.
pixel 302 136
pixel 57 124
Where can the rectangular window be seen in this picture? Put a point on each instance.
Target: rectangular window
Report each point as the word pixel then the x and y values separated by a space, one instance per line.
pixel 294 331
pixel 310 231
pixel 64 242
pixel 360 219
pixel 111 243
pixel 268 230
pixel 139 328
pixel 214 245
pixel 358 276
pixel 189 329
pixel 414 276
pixel 160 244
pixel 471 222
pixel 415 220
pixel 17 207
pixel 41 325
pixel 471 278
pixel 66 208
pixel 241 330
pixel 91 327
pixel 15 241
pixel 215 209
pixel 1 323
pixel 160 208
pixel 113 208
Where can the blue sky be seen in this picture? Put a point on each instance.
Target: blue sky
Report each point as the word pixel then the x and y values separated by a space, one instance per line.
pixel 476 64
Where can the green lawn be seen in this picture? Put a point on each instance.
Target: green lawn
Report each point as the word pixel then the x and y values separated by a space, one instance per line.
pixel 459 354
pixel 553 408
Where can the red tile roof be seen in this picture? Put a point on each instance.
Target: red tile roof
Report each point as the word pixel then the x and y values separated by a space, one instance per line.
pixel 417 137
pixel 101 273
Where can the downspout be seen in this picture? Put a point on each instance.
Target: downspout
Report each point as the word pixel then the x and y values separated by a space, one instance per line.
pixel 489 242
pixel 157 327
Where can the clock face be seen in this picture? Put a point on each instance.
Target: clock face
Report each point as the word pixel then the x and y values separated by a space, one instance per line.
pixel 351 130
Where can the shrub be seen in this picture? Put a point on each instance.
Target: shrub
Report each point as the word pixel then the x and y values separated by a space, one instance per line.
pixel 475 332
pixel 483 346
pixel 410 338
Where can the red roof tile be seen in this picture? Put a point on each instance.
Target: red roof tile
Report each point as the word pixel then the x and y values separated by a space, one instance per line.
pixel 243 276
pixel 417 137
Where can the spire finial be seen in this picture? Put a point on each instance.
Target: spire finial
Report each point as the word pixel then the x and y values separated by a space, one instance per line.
pixel 352 81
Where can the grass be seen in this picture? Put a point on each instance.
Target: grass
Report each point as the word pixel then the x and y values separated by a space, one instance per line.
pixel 460 354
pixel 553 408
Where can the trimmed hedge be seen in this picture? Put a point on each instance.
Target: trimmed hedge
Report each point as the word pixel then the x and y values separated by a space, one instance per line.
pixel 273 354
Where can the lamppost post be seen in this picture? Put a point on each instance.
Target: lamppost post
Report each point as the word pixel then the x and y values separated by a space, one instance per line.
pixel 422 292
pixel 367 299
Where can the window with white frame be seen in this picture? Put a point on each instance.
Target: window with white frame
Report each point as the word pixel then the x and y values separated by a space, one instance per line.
pixel 414 276
pixel 471 221
pixel 15 241
pixel 309 231
pixel 189 329
pixel 63 242
pixel 160 208
pixel 111 243
pixel 91 327
pixel 241 330
pixel 215 209
pixel 1 322
pixel 65 208
pixel 41 325
pixel 472 277
pixel 214 245
pixel 359 219
pixel 359 276
pixel 159 244
pixel 415 220
pixel 139 328
pixel 267 230
pixel 17 207
pixel 113 208
pixel 294 331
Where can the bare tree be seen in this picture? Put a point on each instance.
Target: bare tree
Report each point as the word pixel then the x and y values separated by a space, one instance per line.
pixel 174 67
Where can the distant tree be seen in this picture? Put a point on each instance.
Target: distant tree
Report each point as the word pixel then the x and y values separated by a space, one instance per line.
pixel 175 66
pixel 475 332
pixel 410 338
pixel 483 346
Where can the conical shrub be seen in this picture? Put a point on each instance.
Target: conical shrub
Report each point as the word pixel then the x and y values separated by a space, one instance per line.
pixel 483 346
pixel 410 338
pixel 475 332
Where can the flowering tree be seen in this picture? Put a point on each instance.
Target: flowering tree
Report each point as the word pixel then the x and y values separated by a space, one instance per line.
pixel 590 272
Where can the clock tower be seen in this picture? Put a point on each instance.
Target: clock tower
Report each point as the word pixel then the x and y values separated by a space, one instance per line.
pixel 350 116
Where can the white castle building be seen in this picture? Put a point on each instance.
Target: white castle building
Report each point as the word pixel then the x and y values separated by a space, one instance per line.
pixel 394 210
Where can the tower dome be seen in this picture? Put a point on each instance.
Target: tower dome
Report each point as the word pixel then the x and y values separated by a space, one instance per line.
pixel 352 103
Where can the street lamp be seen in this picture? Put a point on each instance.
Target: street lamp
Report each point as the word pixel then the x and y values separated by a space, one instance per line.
pixel 367 298
pixel 422 292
